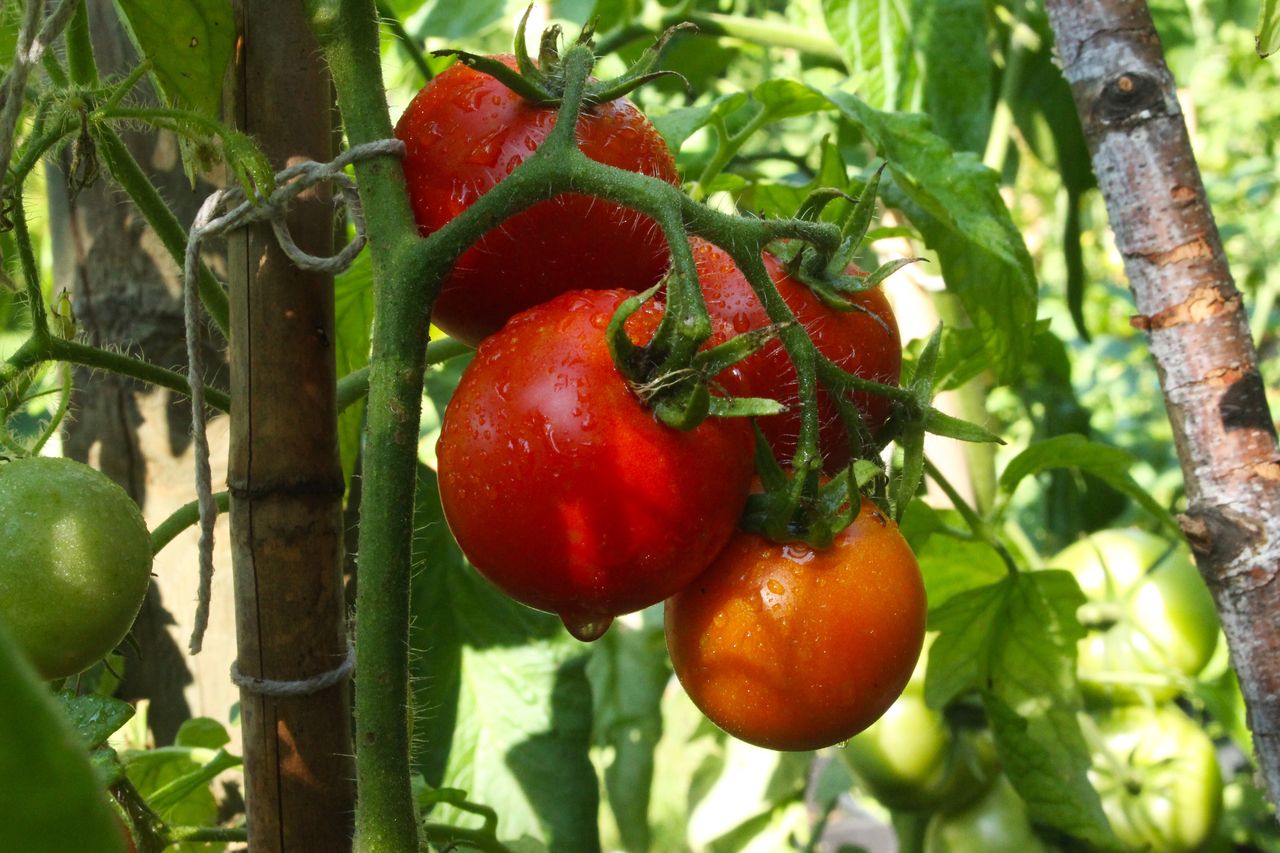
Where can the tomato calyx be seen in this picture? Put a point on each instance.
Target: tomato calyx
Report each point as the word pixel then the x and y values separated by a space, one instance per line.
pixel 543 83
pixel 675 385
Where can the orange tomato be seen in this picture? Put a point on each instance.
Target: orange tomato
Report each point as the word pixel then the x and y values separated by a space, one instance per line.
pixel 792 648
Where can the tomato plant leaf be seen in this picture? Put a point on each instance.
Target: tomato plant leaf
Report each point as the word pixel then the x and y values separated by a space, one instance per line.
pixel 1268 37
pixel 1109 464
pixel 452 21
pixel 1014 642
pixel 628 671
pixel 955 202
pixel 202 732
pixel 788 99
pixel 678 125
pixel 353 327
pixel 53 801
pixel 952 35
pixel 503 703
pixel 189 44
pixel 951 566
pixel 94 717
pixel 875 36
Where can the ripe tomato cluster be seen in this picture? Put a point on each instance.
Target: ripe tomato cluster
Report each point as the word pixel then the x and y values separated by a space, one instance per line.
pixel 565 491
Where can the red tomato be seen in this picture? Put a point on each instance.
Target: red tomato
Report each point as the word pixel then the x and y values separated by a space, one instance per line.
pixel 864 344
pixel 787 647
pixel 464 132
pixel 563 489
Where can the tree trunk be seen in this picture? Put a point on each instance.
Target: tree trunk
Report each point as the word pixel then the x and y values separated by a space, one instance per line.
pixel 126 293
pixel 284 474
pixel 1198 332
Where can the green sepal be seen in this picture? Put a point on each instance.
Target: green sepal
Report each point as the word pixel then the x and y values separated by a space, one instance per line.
pixel 710 362
pixel 641 71
pixel 926 367
pixel 771 475
pixel 939 423
pixel 687 410
pixel 855 227
pixel 908 481
pixel 509 77
pixel 629 358
pixel 744 407
pixel 880 273
pixel 811 208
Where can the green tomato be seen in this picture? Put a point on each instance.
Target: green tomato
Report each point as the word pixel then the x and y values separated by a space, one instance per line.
pixel 997 823
pixel 1157 774
pixel 1150 617
pixel 910 761
pixel 75 563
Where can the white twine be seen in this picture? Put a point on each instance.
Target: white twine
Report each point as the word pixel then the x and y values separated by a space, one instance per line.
pixel 208 223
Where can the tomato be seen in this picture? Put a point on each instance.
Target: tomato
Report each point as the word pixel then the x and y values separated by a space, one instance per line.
pixel 1157 773
pixel 911 761
pixel 74 565
pixel 997 823
pixel 563 489
pixel 793 648
pixel 1152 619
pixel 464 132
pixel 865 343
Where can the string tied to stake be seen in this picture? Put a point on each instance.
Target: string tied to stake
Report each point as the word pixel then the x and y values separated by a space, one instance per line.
pixel 224 211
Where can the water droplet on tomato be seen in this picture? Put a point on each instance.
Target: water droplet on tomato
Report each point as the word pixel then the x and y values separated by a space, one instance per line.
pixel 586 629
pixel 775 587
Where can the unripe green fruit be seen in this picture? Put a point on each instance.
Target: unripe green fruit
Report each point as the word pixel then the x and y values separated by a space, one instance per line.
pixel 75 561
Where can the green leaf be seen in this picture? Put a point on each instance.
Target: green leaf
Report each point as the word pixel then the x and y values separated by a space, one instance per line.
pixel 678 125
pixel 788 99
pixel 1014 642
pixel 451 20
pixel 52 800
pixel 878 51
pixel 503 707
pixel 203 732
pixel 176 784
pixel 951 566
pixel 94 717
pixel 955 202
pixel 1268 37
pixel 628 671
pixel 1109 464
pixel 353 326
pixel 189 43
pixel 958 70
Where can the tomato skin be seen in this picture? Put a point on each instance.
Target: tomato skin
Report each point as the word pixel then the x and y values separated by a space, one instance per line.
pixel 792 648
pixel 1160 616
pixel 75 562
pixel 464 132
pixel 865 344
pixel 566 492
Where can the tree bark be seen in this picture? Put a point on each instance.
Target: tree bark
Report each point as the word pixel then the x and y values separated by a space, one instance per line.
pixel 127 293
pixel 284 474
pixel 1198 331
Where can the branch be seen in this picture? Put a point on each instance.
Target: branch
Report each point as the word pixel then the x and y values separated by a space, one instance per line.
pixel 1198 333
